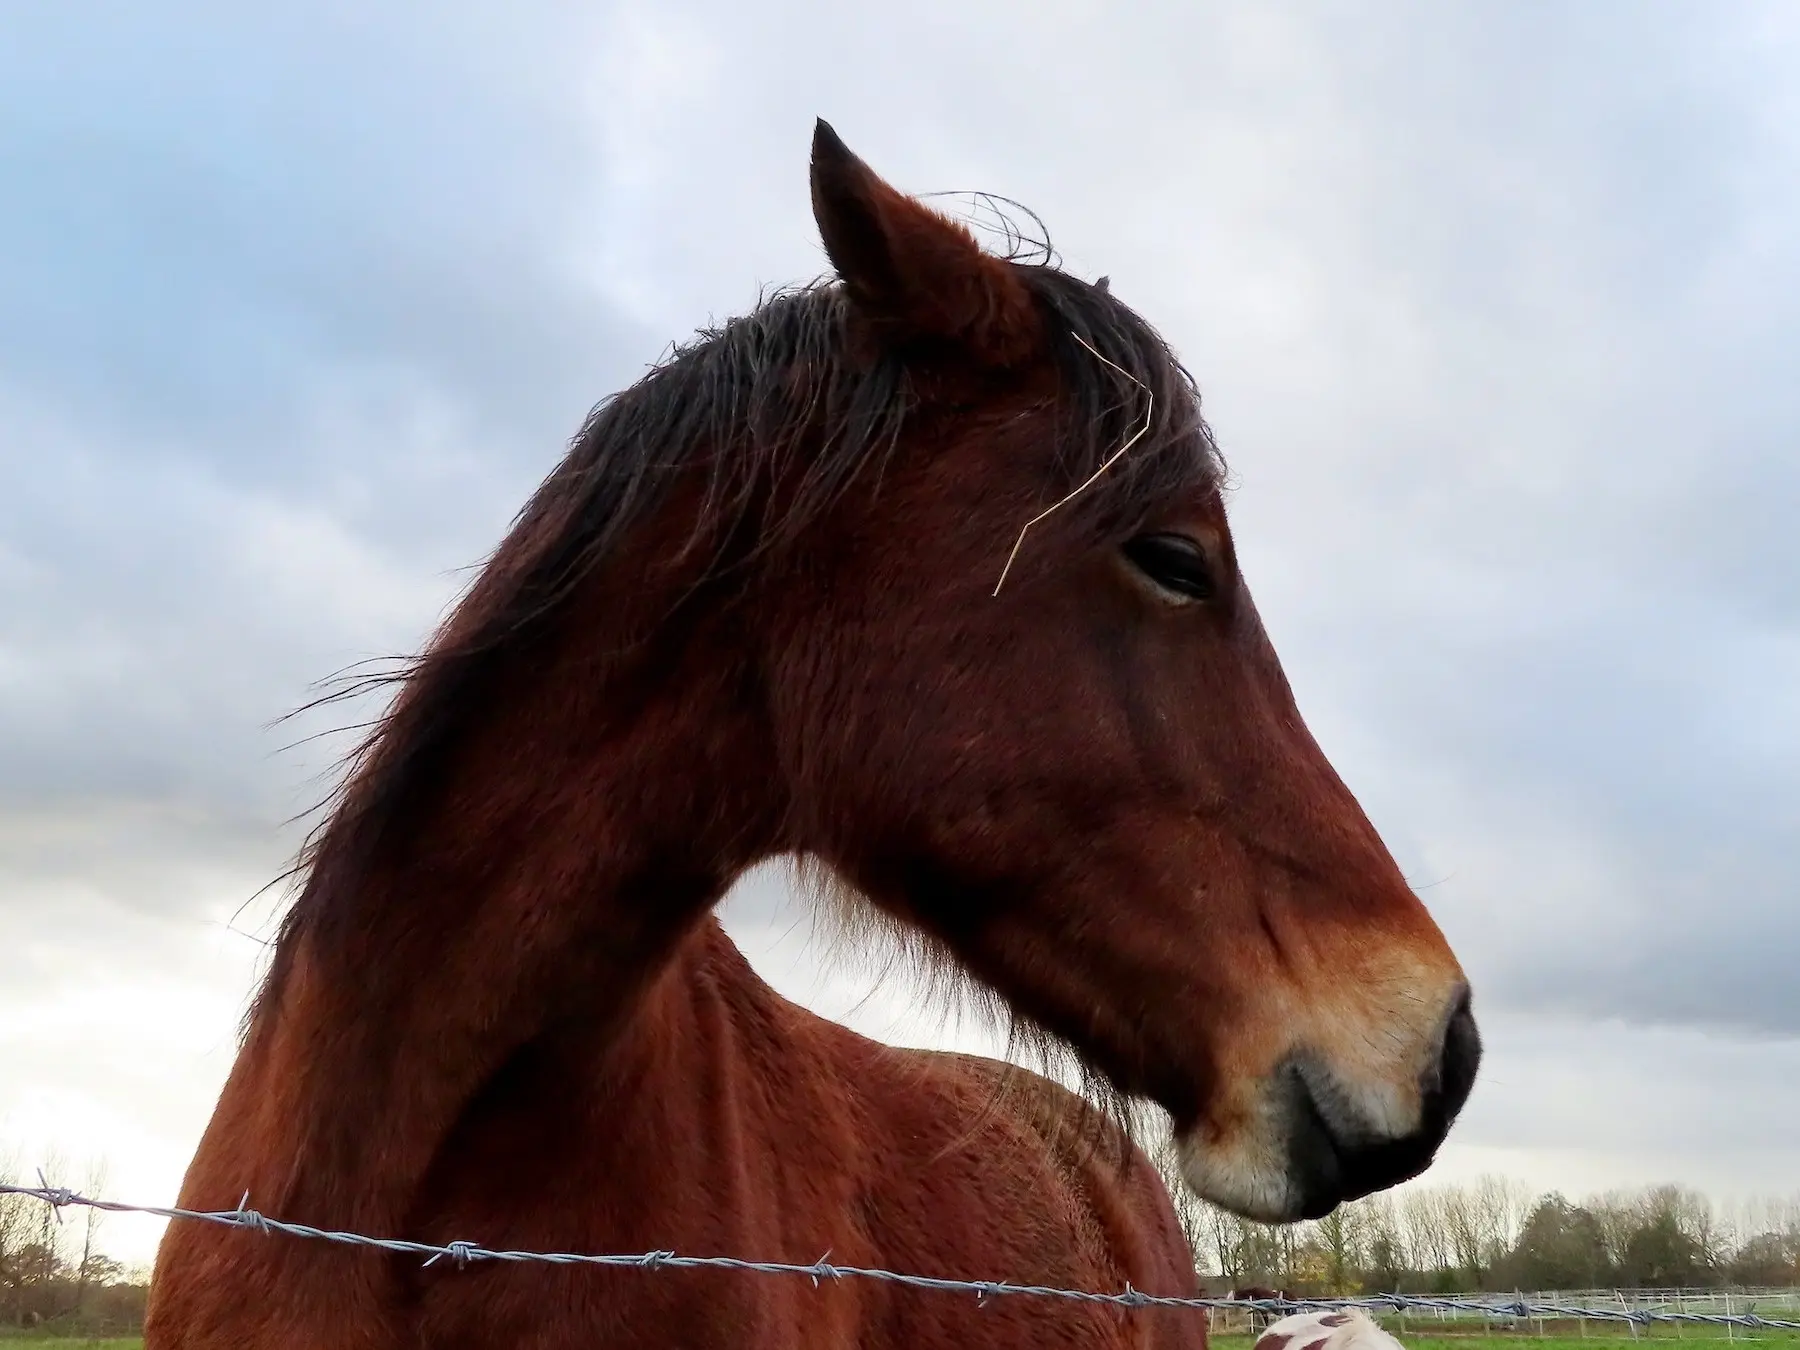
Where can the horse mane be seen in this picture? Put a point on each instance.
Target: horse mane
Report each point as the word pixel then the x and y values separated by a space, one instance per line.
pixel 774 406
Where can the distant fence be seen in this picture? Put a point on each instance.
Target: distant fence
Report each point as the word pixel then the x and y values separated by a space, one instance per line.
pixel 1562 1311
pixel 1605 1306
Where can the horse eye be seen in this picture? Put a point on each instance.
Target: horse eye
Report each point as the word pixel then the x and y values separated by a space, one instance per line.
pixel 1175 563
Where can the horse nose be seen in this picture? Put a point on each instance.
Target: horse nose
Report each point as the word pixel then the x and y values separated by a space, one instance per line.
pixel 1334 1156
pixel 1458 1062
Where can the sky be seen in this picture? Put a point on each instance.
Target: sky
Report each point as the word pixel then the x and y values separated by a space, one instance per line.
pixel 1494 308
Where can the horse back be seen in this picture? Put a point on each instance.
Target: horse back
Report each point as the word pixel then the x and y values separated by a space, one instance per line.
pixel 744 1125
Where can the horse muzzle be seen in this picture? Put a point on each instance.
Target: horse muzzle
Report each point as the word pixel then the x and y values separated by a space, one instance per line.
pixel 1313 1138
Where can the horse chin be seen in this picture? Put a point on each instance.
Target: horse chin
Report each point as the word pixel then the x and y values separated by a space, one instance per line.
pixel 1249 1178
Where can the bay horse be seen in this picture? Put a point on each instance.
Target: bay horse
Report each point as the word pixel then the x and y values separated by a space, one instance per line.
pixel 1257 1293
pixel 756 612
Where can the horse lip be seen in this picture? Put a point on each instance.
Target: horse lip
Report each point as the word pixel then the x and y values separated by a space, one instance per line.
pixel 1335 1154
pixel 1315 1164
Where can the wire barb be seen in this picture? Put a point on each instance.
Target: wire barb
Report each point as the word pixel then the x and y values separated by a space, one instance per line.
pixel 249 1218
pixel 823 1269
pixel 460 1252
pixel 54 1196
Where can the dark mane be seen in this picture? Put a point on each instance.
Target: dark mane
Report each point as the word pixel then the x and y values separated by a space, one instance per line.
pixel 772 405
pixel 773 396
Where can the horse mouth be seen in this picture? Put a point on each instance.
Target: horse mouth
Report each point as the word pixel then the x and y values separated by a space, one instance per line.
pixel 1320 1146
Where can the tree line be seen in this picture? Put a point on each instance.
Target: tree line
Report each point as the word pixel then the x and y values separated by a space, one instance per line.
pixel 1496 1234
pixel 52 1270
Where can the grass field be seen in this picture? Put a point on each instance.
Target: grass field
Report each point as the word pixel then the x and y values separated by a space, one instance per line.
pixel 1598 1338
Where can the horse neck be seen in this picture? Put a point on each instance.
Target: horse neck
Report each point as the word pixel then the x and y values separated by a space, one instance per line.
pixel 579 836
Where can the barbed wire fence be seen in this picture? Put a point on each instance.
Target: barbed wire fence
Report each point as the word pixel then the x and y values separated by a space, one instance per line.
pixel 465 1254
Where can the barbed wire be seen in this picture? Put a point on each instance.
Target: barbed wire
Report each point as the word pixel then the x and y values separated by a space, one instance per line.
pixel 463 1254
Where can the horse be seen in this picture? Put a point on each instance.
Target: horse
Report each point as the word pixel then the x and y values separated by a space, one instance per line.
pixel 1256 1293
pixel 920 573
pixel 1324 1329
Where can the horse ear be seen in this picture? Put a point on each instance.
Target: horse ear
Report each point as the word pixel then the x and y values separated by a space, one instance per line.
pixel 912 273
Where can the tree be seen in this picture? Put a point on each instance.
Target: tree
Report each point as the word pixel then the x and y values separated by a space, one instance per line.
pixel 89 1271
pixel 1425 1230
pixel 1675 1243
pixel 1501 1205
pixel 1560 1246
pixel 1618 1215
pixel 1385 1265
pixel 17 1222
pixel 46 1263
pixel 1339 1236
pixel 1767 1259
pixel 1460 1214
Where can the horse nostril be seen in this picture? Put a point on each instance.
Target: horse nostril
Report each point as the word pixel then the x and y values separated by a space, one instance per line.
pixel 1458 1061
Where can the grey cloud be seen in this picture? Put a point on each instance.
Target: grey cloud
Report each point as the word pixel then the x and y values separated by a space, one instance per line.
pixel 286 343
pixel 1487 308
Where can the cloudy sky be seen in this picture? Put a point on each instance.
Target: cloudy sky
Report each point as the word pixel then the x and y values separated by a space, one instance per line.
pixel 1489 303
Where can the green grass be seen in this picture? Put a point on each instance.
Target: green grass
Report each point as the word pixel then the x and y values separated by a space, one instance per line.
pixel 1610 1340
pixel 1525 1338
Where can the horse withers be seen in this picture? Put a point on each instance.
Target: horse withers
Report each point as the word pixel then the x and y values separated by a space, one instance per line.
pixel 780 598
